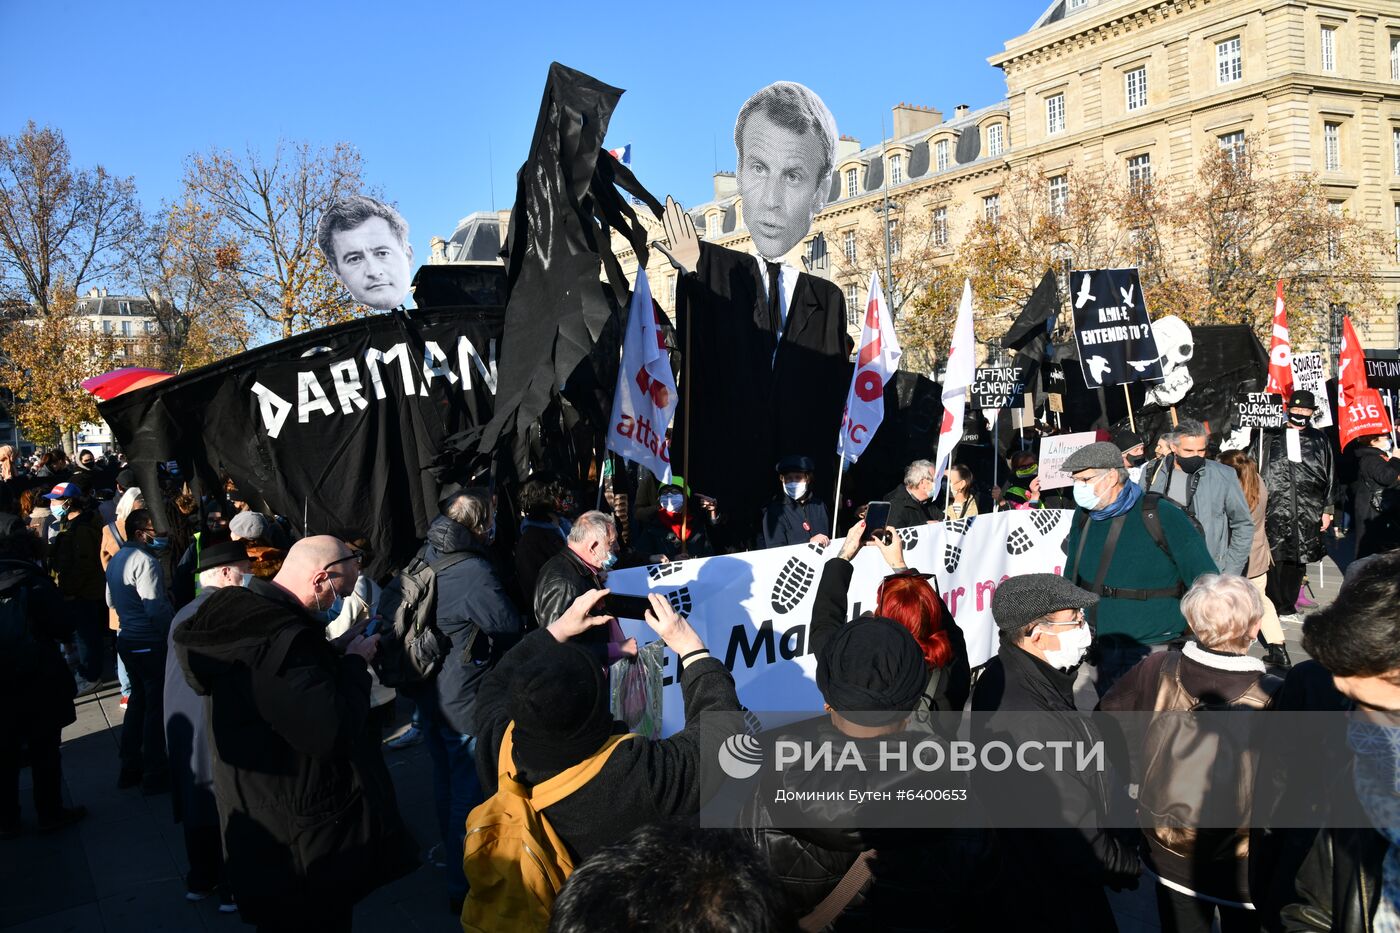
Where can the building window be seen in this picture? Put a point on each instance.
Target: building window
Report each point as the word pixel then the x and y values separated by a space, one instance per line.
pixel 940 225
pixel 671 290
pixel 1329 48
pixel 1059 195
pixel 940 154
pixel 1140 173
pixel 1395 58
pixel 852 179
pixel 1229 64
pixel 892 231
pixel 991 208
pixel 848 245
pixel 853 309
pixel 896 169
pixel 1137 88
pixel 1055 114
pixel 995 140
pixel 1077 4
pixel 712 226
pixel 123 307
pixel 106 327
pixel 1397 231
pixel 1232 144
pixel 1332 146
pixel 1395 148
pixel 126 328
pixel 1335 208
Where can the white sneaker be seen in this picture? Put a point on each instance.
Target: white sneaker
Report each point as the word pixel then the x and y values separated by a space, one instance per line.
pixel 1295 618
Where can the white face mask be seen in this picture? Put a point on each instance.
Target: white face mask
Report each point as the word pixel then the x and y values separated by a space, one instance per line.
pixel 672 502
pixel 795 490
pixel 1386 444
pixel 1084 495
pixel 1074 642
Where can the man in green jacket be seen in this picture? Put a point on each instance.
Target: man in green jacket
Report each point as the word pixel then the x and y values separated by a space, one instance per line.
pixel 1113 553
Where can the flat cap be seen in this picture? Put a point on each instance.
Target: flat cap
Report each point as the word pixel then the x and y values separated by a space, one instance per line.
pixel 1021 600
pixel 249 526
pixel 215 550
pixel 1099 456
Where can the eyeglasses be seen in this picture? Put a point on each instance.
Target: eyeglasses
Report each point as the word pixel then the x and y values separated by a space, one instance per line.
pixel 357 556
pixel 1077 620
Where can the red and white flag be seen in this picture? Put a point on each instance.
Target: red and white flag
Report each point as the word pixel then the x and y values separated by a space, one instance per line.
pixel 645 398
pixel 1359 408
pixel 876 361
pixel 1280 351
pixel 962 365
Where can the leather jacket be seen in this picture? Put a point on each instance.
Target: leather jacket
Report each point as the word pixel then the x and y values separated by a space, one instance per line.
pixel 1339 886
pixel 1298 494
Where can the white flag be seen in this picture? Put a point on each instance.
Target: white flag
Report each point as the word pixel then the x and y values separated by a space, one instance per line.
pixel 876 363
pixel 962 365
pixel 645 398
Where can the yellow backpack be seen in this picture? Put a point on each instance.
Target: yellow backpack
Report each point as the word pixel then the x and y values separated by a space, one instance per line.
pixel 514 861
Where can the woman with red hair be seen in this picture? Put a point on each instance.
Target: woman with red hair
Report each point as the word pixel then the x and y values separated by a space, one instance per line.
pixel 907 597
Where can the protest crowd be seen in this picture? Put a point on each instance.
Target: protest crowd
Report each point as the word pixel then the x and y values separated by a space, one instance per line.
pixel 269 672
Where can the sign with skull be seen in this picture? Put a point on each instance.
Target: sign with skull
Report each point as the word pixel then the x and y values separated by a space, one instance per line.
pixel 1174 340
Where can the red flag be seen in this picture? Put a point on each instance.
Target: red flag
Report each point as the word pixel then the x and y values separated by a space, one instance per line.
pixel 1280 351
pixel 1359 409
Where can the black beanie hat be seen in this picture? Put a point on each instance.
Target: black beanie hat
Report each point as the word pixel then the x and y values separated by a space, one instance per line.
pixel 559 703
pixel 872 672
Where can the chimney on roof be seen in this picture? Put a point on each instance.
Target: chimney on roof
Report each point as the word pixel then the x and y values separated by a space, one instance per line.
pixel 93 293
pixel 912 118
pixel 104 293
pixel 960 111
pixel 846 146
pixel 726 184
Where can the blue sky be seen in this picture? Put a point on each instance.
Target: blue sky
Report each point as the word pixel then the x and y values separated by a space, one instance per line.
pixel 432 93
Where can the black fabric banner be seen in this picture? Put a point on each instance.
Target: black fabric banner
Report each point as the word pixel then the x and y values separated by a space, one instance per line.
pixel 337 429
pixel 1383 369
pixel 1112 329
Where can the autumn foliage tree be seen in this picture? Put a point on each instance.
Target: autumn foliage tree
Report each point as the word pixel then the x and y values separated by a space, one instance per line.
pixel 244 233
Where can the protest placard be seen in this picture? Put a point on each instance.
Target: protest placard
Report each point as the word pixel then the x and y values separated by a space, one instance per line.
pixel 996 387
pixel 1259 410
pixel 1309 376
pixel 1112 329
pixel 1054 450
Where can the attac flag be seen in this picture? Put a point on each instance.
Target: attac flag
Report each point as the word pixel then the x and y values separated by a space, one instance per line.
pixel 1359 408
pixel 645 398
pixel 962 366
pixel 1280 351
pixel 876 363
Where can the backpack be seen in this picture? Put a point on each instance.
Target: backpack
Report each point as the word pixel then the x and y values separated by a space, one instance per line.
pixel 414 648
pixel 514 861
pixel 1198 772
pixel 18 647
pixel 1189 508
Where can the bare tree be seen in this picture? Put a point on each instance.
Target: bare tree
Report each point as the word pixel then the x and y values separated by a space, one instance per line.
pixel 258 218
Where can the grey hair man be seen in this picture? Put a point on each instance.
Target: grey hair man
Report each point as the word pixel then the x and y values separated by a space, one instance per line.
pixel 583 565
pixel 786 140
pixel 912 502
pixel 1209 492
pixel 365 242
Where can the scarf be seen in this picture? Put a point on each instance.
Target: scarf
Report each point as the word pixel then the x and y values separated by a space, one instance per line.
pixel 672 523
pixel 1128 498
pixel 1377 780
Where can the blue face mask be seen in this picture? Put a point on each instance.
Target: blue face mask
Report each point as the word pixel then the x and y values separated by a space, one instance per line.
pixel 58 510
pixel 247 578
pixel 331 612
pixel 159 543
pixel 1084 495
pixel 609 562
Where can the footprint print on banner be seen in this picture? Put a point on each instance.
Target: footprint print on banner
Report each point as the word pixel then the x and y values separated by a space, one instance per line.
pixel 680 600
pixel 1045 520
pixel 952 548
pixel 910 536
pixel 793 582
pixel 657 571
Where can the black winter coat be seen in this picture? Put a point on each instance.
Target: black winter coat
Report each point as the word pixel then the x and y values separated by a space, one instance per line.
pixel 644 781
pixel 942 879
pixel 38 680
pixel 1376 473
pixel 307 805
pixel 788 521
pixel 469 596
pixel 532 551
pixel 1298 494
pixel 1085 853
pixel 908 512
pixel 563 579
pixel 1339 885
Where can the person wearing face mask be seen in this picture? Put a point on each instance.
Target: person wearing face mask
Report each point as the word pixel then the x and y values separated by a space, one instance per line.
pixel 796 515
pixel 1139 555
pixel 222 562
pixel 1374 509
pixel 1040 618
pixel 1023 490
pixel 1300 473
pixel 75 562
pixel 1201 867
pixel 1209 493
pixel 913 502
pixel 590 552
pixel 307 808
pixel 1350 878
pixel 659 534
pixel 136 590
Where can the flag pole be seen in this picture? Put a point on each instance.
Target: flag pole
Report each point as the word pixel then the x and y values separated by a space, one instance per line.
pixel 836 503
pixel 1132 423
pixel 685 451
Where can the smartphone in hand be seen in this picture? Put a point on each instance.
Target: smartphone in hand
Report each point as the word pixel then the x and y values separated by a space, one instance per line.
pixel 877 516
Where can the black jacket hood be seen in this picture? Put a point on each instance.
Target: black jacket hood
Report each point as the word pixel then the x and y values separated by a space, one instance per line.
pixel 240 627
pixel 449 537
